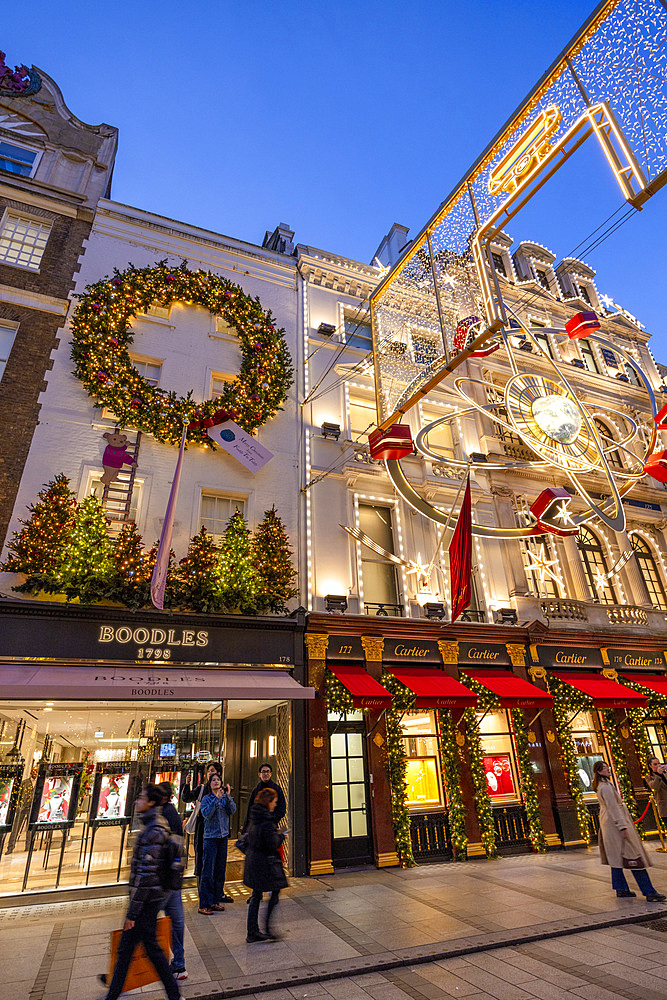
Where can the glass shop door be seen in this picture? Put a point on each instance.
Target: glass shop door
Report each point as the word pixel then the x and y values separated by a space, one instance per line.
pixel 350 798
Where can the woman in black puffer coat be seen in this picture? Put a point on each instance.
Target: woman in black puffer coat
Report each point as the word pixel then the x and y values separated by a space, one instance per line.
pixel 263 871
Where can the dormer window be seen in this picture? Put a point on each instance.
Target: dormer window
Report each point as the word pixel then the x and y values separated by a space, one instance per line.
pixel 499 264
pixel 17 159
pixel 541 277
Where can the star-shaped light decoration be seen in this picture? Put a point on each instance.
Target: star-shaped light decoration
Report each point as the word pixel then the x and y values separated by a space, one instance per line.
pixel 542 566
pixel 600 581
pixel 608 302
pixel 418 567
pixel 563 513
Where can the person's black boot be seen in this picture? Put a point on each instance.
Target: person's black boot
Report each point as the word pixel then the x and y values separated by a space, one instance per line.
pixel 655 897
pixel 625 892
pixel 257 936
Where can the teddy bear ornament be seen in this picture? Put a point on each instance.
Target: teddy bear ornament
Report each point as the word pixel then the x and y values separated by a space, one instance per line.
pixel 115 456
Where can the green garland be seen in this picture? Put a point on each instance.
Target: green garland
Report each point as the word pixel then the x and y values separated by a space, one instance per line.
pixel 620 763
pixel 449 762
pixel 482 801
pixel 568 701
pixel 102 336
pixel 396 761
pixel 337 697
pixel 528 785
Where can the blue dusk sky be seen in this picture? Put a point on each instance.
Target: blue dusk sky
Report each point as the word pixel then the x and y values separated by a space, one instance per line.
pixel 338 119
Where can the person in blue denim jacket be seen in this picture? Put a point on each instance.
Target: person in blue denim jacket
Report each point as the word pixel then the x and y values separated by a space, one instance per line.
pixel 217 806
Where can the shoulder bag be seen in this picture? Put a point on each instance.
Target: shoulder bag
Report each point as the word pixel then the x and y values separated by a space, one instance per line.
pixel 191 824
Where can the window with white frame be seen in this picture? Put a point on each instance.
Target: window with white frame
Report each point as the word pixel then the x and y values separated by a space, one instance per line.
pixel 23 240
pixel 17 159
pixel 115 505
pixel 541 276
pixel 215 512
pixel 611 453
pixel 7 334
pixel 219 383
pixel 581 290
pixel 150 370
pixel 363 416
pixel 358 331
pixel 499 263
pixel 378 573
pixel 649 571
pixel 588 357
pixel 595 567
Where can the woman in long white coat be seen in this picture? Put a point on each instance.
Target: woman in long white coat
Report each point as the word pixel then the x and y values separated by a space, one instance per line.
pixel 618 839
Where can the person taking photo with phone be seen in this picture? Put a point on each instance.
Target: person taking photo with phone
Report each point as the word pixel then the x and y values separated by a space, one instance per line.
pixel 217 805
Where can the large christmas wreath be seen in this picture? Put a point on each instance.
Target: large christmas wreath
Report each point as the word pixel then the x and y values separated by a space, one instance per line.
pixel 102 335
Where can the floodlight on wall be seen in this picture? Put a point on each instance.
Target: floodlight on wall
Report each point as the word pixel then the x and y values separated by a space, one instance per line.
pixel 326 329
pixel 478 456
pixel 336 602
pixel 330 430
pixel 434 610
pixel 506 616
pixel 253 748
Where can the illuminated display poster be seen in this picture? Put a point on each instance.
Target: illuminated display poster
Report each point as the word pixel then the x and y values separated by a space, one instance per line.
pixel 56 798
pixel 174 778
pixel 10 779
pixel 498 773
pixel 112 803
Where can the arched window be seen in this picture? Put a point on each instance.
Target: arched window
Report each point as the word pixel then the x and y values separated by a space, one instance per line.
pixel 595 566
pixel 649 570
pixel 613 457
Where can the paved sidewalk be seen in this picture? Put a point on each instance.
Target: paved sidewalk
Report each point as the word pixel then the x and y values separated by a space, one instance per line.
pixel 340 925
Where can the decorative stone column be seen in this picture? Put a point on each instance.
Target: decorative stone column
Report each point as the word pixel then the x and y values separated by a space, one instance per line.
pixel 384 843
pixel 576 570
pixel 319 796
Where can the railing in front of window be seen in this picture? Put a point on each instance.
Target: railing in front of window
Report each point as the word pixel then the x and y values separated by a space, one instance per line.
pixel 384 610
pixel 594 816
pixel 622 614
pixel 471 615
pixel 554 608
pixel 430 836
pixel 511 825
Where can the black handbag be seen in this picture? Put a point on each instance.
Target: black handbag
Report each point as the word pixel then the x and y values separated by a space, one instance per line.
pixel 241 844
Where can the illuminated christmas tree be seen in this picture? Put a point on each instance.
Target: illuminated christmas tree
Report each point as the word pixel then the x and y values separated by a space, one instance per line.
pixel 85 567
pixel 238 583
pixel 272 558
pixel 197 574
pixel 129 563
pixel 36 548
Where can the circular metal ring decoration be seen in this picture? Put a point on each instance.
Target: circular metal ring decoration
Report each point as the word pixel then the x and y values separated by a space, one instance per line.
pixel 102 335
pixel 546 413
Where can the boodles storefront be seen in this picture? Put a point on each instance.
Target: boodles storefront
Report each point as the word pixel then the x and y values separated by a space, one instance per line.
pixel 95 701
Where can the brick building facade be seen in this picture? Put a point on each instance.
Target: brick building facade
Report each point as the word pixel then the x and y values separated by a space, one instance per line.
pixel 53 170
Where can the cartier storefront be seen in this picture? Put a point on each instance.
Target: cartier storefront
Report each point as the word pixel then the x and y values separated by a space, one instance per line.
pixel 512 716
pixel 95 701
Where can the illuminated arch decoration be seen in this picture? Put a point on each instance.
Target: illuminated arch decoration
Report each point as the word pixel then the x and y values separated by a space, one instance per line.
pixel 610 82
pixel 102 335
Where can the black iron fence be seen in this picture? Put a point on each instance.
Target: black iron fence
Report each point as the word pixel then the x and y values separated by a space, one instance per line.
pixel 385 610
pixel 430 837
pixel 594 816
pixel 511 825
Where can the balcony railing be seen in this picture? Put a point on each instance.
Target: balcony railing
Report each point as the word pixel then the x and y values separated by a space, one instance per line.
pixel 622 614
pixel 385 610
pixel 557 609
pixel 469 615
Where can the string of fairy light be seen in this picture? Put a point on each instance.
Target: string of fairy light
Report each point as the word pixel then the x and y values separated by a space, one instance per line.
pixel 102 334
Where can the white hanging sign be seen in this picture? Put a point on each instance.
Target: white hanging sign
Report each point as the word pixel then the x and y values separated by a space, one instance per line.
pixel 248 451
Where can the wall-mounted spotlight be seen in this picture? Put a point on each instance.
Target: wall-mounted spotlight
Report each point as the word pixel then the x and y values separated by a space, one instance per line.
pixel 336 602
pixel 330 430
pixel 434 610
pixel 506 616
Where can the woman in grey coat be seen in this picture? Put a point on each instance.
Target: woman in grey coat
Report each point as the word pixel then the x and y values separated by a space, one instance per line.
pixel 618 839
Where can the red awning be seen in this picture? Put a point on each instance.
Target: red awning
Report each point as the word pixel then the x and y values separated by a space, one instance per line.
pixel 513 691
pixel 365 691
pixel 654 682
pixel 434 688
pixel 605 693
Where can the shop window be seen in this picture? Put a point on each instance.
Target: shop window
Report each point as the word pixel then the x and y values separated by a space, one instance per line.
pixel 23 240
pixel 17 159
pixel 649 570
pixel 363 417
pixel 358 331
pixel 589 746
pixel 380 584
pixel 498 758
pixel 422 772
pixel 613 457
pixel 657 737
pixel 7 334
pixel 595 567
pixel 215 512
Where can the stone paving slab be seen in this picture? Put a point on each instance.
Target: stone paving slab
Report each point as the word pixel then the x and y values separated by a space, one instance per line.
pixel 377 923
